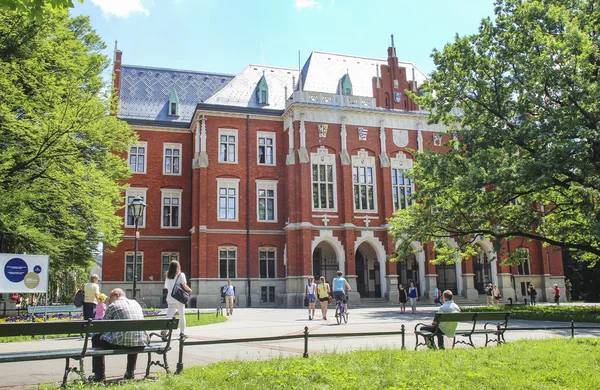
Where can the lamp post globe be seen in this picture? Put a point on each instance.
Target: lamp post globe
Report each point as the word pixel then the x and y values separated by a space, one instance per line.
pixel 136 210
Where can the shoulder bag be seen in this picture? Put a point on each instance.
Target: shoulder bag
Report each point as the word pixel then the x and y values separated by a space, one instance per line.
pixel 178 293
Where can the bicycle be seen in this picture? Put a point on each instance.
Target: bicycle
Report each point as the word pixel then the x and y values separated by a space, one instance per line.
pixel 340 312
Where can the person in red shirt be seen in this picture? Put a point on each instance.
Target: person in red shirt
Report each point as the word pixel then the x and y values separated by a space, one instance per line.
pixel 556 294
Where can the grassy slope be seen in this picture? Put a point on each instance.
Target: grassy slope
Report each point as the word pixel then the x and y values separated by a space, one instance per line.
pixel 543 364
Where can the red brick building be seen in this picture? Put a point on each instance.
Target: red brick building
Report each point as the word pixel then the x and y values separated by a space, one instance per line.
pixel 275 174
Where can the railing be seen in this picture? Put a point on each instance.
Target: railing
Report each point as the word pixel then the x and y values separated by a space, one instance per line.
pixel 331 99
pixel 571 327
pixel 306 335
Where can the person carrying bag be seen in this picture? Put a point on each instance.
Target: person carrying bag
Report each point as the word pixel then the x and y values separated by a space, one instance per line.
pixel 178 294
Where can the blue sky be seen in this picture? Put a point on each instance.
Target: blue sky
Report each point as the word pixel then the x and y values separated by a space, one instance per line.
pixel 225 36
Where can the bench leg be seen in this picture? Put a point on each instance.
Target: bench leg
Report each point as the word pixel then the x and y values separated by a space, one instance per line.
pixel 164 365
pixel 67 371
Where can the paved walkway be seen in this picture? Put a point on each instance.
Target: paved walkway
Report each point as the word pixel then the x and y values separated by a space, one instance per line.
pixel 256 323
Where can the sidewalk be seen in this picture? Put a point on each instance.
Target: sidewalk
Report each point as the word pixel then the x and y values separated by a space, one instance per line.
pixel 256 323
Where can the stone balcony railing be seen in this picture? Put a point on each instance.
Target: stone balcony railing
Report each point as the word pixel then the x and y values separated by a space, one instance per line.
pixel 330 99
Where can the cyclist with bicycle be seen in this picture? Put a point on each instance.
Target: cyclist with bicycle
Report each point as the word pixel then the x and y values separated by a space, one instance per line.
pixel 340 285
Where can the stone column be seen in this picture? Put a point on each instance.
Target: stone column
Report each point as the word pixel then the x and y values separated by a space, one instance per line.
pixel 392 287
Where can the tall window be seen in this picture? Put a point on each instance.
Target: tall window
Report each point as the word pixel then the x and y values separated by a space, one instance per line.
pixel 228 145
pixel 402 186
pixel 129 196
pixel 266 258
pixel 401 189
pixel 167 257
pixel 172 158
pixel 228 199
pixel 137 157
pixel 267 200
pixel 227 262
pixel 363 179
pixel 524 264
pixel 266 148
pixel 323 180
pixel 171 210
pixel 129 266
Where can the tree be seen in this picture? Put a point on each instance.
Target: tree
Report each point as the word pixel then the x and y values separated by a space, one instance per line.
pixel 61 154
pixel 521 102
pixel 36 8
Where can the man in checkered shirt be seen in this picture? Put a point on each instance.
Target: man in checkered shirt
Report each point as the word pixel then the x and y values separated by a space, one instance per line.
pixel 120 308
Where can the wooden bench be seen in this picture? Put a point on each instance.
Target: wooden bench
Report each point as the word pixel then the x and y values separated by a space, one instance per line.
pixel 494 326
pixel 87 329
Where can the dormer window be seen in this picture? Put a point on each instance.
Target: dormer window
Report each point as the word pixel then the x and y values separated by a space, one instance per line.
pixel 346 85
pixel 173 104
pixel 262 91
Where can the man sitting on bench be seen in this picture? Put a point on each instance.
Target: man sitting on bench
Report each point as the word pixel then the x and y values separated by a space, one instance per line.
pixel 445 328
pixel 120 308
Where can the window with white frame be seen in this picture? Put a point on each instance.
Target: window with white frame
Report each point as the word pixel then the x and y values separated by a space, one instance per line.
pixel 266 260
pixel 172 159
pixel 139 265
pixel 227 262
pixel 266 197
pixel 228 199
pixel 129 196
pixel 266 148
pixel 228 145
pixel 137 157
pixel 524 261
pixel 402 187
pixel 167 258
pixel 171 208
pixel 363 181
pixel 323 180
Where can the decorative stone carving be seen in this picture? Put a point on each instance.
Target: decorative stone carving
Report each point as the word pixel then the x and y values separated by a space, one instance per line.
pixel 437 140
pixel 400 137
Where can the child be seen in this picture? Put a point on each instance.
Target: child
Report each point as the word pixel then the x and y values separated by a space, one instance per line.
pixel 100 307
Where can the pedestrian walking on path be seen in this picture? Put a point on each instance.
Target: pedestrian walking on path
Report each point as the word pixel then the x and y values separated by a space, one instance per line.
pixel 311 295
pixel 174 276
pixel 91 291
pixel 403 297
pixel 556 294
pixel 413 294
pixel 324 292
pixel 229 292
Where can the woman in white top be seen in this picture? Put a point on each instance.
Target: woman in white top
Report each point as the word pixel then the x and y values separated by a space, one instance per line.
pixel 91 292
pixel 174 274
pixel 311 294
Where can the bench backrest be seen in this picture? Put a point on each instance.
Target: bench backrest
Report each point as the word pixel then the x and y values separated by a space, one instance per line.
pixel 86 327
pixel 455 317
pixel 498 316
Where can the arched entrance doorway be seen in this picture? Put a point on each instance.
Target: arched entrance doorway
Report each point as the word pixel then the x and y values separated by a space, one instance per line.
pixel 446 277
pixel 408 272
pixel 368 271
pixel 325 262
pixel 483 270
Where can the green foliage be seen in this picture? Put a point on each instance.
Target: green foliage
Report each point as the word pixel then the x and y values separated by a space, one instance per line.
pixel 205 319
pixel 60 168
pixel 523 364
pixel 564 313
pixel 520 99
pixel 36 9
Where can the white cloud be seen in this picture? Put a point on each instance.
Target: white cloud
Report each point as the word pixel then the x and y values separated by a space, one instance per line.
pixel 301 4
pixel 121 8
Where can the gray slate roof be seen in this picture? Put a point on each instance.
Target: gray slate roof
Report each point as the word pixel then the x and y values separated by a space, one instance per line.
pixel 145 92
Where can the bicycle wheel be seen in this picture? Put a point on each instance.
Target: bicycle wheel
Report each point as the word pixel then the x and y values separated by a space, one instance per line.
pixel 345 317
pixel 338 315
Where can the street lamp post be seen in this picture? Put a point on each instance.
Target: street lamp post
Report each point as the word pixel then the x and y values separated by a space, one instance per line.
pixel 136 209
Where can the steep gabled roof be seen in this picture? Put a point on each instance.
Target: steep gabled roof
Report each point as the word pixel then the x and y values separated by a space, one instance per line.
pixel 323 72
pixel 145 92
pixel 240 91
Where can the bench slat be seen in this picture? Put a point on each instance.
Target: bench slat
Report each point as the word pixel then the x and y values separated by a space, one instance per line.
pixel 39 355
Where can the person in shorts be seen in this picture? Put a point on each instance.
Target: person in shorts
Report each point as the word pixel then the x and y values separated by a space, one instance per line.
pixel 311 295
pixel 340 286
pixel 323 291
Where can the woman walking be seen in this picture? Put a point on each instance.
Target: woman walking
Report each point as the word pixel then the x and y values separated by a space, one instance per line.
pixel 323 291
pixel 310 290
pixel 174 275
pixel 496 293
pixel 532 294
pixel 412 294
pixel 403 297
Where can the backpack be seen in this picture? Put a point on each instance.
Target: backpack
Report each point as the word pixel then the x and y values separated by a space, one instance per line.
pixel 78 302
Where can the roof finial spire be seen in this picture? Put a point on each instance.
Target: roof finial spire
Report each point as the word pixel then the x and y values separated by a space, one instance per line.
pixel 392 40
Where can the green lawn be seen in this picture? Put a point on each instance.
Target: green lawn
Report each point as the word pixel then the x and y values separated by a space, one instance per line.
pixel 541 364
pixel 192 320
pixel 546 312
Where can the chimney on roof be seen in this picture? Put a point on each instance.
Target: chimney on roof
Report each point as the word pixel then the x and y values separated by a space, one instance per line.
pixel 117 70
